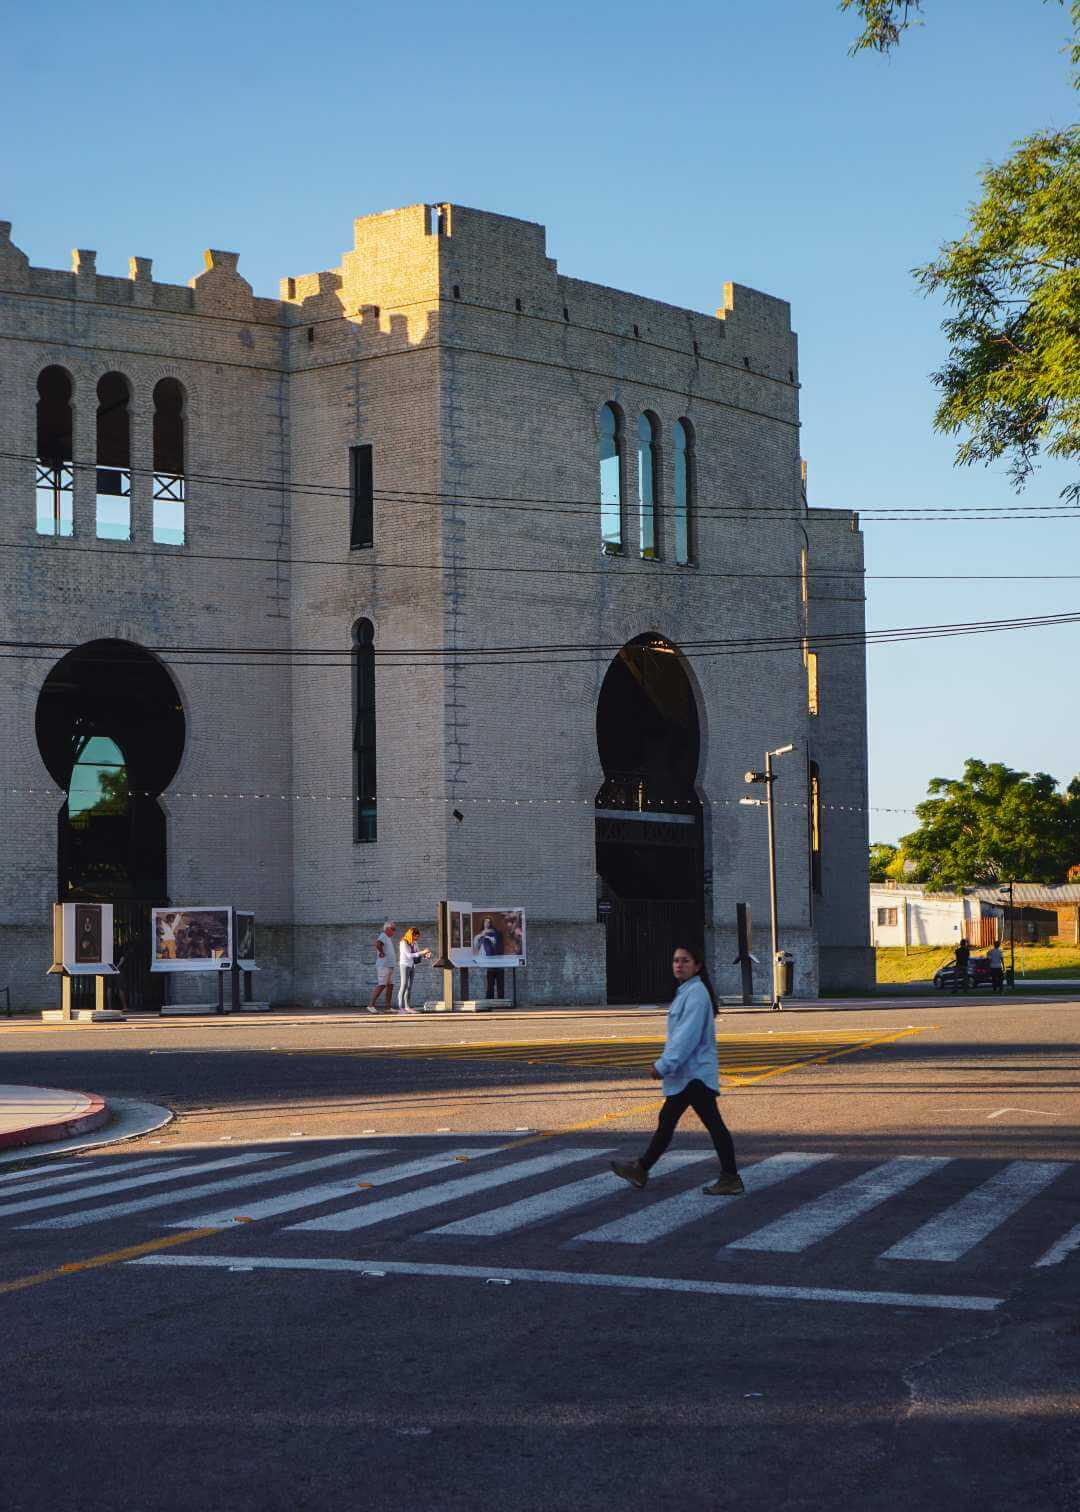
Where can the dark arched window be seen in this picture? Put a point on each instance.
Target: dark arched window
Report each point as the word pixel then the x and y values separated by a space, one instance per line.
pixel 648 471
pixel 53 474
pixel 170 489
pixel 684 492
pixel 114 458
pixel 611 527
pixel 364 785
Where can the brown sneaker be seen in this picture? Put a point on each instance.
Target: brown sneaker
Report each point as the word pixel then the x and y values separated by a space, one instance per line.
pixel 632 1171
pixel 725 1186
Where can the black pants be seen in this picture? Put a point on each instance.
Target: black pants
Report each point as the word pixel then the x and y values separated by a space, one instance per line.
pixel 702 1099
pixel 960 980
pixel 997 978
pixel 494 985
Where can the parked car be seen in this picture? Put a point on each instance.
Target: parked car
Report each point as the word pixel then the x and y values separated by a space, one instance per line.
pixel 979 973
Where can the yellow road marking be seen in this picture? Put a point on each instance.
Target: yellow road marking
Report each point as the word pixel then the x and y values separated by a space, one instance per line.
pixel 742 1058
pixel 114 1257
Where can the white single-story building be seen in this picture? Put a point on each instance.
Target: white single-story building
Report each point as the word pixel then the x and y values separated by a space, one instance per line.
pixel 907 914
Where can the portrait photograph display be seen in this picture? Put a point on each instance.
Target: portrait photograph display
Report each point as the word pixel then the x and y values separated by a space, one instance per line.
pixel 245 940
pixel 83 939
pixel 497 937
pixel 192 939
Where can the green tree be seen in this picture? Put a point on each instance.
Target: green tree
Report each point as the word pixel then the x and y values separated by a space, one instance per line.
pixel 994 825
pixel 1011 381
pixel 881 855
pixel 1012 283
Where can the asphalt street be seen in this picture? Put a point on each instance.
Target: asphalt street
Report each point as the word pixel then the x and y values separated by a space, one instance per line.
pixel 380 1263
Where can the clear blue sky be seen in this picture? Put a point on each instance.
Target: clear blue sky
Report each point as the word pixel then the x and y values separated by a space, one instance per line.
pixel 665 152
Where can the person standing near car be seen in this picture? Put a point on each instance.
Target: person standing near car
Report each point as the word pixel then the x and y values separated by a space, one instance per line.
pixel 996 961
pixel 960 967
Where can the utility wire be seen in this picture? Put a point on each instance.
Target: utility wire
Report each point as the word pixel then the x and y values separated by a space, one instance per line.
pixel 530 656
pixel 543 504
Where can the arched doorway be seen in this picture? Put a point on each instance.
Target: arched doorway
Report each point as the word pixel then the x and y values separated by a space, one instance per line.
pixel 649 828
pixel 110 728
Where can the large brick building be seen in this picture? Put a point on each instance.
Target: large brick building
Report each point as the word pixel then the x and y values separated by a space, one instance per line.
pixel 281 581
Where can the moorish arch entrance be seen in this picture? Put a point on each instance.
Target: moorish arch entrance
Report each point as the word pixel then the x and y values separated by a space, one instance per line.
pixel 649 827
pixel 110 728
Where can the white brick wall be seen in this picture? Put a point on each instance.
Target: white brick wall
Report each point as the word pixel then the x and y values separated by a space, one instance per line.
pixel 460 394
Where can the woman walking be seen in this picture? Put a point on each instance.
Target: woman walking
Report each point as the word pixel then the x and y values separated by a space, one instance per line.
pixel 409 952
pixel 690 1075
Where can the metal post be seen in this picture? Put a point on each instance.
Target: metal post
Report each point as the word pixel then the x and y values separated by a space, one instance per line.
pixel 1012 940
pixel 772 876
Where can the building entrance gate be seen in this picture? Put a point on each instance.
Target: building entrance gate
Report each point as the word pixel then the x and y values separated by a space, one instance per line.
pixel 110 728
pixel 650 855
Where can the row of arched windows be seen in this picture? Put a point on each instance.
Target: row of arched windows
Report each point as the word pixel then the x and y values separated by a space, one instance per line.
pixel 54 469
pixel 611 431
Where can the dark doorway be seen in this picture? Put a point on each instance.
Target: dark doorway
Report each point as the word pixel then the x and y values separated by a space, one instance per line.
pixel 649 829
pixel 110 728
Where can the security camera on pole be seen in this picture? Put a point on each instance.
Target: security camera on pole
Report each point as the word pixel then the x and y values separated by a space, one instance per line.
pixel 781 960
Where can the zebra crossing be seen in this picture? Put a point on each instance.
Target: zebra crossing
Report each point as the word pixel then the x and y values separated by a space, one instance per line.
pixel 910 1215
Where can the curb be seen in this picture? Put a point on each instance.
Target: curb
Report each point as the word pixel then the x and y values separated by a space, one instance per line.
pixel 96 1114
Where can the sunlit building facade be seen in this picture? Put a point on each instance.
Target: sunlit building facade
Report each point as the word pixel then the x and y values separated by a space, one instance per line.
pixel 441 575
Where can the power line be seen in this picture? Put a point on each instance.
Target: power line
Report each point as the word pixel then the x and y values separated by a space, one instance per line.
pixel 531 656
pixel 650 569
pixel 544 504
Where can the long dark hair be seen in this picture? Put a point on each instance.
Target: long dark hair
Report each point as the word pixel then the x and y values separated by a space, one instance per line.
pixel 697 954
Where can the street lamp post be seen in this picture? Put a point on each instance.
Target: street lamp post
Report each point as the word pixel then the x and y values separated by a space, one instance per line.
pixel 768 777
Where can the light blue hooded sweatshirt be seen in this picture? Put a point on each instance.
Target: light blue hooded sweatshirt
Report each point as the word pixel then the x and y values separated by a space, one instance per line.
pixel 690 1051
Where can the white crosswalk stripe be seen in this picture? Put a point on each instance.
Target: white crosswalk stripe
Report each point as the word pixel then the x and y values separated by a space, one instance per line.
pixel 382 1210
pixel 816 1220
pixel 205 1189
pixel 959 1228
pixel 665 1217
pixel 949 1229
pixel 291 1202
pixel 1064 1246
pixel 528 1211
pixel 126 1183
pixel 36 1170
pixel 85 1172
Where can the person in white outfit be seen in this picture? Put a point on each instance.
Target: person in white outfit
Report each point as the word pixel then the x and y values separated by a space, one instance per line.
pixel 690 1073
pixel 384 966
pixel 409 952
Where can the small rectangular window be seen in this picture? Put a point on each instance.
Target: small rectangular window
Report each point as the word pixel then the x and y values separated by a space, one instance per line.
pixel 888 917
pixel 362 493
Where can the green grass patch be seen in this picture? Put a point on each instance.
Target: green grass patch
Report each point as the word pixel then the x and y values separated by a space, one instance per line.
pixel 1039 963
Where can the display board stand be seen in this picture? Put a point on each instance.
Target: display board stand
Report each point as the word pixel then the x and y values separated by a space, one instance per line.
pixel 99 1014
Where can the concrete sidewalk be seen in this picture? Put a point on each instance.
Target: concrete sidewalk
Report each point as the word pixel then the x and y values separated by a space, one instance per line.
pixel 38 1115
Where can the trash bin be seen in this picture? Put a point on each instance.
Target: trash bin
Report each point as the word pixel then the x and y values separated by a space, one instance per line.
pixel 784 973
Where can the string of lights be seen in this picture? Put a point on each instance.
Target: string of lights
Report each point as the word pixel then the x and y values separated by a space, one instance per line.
pixel 675 807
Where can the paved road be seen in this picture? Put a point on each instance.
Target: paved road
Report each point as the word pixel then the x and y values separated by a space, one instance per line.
pixel 304 1294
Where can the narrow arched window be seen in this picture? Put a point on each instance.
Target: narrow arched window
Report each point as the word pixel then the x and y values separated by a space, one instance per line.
pixel 684 492
pixel 114 458
pixel 648 470
pixel 170 487
pixel 611 529
pixel 814 796
pixel 364 784
pixel 54 484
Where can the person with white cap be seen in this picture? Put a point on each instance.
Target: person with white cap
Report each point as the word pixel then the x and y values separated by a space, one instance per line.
pixel 384 966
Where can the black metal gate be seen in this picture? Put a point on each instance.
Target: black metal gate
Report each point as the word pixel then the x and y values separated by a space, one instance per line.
pixel 144 989
pixel 641 935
